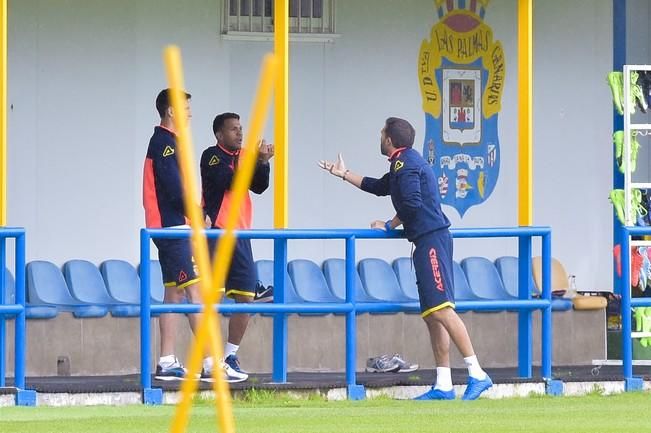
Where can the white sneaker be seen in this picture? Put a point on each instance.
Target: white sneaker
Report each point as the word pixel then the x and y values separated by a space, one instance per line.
pixel 230 375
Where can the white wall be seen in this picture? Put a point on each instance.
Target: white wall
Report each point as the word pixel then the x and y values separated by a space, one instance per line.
pixel 84 74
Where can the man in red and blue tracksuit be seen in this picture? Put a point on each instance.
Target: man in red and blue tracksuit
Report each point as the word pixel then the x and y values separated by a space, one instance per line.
pixel 163 202
pixel 164 207
pixel 218 165
pixel 413 189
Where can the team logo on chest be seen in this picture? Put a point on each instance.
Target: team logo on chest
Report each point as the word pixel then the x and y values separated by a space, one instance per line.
pixel 169 150
pixel 214 160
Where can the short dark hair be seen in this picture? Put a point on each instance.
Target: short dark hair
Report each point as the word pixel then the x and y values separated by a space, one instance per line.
pixel 220 119
pixel 400 132
pixel 163 101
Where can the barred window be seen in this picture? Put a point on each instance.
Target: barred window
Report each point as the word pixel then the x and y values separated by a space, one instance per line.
pixel 256 16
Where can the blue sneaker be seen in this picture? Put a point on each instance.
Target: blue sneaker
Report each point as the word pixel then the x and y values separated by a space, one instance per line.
pixel 174 371
pixel 476 387
pixel 437 394
pixel 233 362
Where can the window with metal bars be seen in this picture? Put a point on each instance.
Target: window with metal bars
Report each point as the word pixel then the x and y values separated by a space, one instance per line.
pixel 256 16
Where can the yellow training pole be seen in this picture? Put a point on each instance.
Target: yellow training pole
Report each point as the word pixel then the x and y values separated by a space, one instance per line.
pixel 3 113
pixel 208 326
pixel 281 116
pixel 225 246
pixel 245 171
pixel 525 117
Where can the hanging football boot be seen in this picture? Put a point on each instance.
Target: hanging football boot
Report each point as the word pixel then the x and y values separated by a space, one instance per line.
pixel 637 94
pixel 616 84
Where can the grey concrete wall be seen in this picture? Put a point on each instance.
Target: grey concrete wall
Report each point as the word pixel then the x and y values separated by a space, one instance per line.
pixel 316 343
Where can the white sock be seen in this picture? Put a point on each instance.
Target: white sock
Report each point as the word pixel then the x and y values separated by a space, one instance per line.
pixel 230 349
pixel 474 369
pixel 443 379
pixel 167 361
pixel 207 363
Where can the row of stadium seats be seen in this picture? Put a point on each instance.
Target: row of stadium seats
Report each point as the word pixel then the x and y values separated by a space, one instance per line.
pixel 88 291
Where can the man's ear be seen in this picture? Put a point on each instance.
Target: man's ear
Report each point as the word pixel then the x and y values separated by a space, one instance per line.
pixel 170 112
pixel 219 136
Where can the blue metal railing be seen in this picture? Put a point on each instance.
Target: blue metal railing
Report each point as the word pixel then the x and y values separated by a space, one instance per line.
pixel 629 303
pixel 524 305
pixel 15 310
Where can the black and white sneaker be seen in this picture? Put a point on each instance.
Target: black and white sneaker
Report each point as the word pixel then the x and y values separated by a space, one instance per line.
pixel 230 375
pixel 382 364
pixel 262 293
pixel 174 371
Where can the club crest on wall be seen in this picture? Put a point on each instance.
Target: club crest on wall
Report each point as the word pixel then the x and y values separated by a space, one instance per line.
pixel 461 72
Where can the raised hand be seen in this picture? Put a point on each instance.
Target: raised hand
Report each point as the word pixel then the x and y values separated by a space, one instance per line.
pixel 337 168
pixel 266 151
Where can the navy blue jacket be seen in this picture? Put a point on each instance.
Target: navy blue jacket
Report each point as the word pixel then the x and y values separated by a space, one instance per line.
pixel 414 193
pixel 218 167
pixel 162 190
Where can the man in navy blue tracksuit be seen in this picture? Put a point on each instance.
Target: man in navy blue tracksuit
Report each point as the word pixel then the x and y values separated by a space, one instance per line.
pixel 413 189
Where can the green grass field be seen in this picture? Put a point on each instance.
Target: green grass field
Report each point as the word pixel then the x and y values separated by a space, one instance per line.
pixel 275 414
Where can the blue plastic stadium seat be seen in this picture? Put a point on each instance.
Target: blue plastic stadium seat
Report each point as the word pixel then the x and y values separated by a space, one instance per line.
pixel 404 270
pixel 265 270
pixel 561 304
pixel 123 286
pixel 334 271
pixel 483 279
pixel 380 281
pixel 85 283
pixel 462 290
pixel 156 285
pixel 46 286
pixel 507 267
pixel 42 312
pixel 407 277
pixel 309 282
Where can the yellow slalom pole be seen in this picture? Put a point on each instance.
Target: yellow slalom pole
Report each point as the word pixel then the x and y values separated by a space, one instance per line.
pixel 172 58
pixel 281 114
pixel 3 113
pixel 246 168
pixel 208 323
pixel 525 109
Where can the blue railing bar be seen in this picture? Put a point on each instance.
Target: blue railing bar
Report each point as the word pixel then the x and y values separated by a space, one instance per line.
pixel 256 308
pixel 546 322
pixel 280 335
pixel 11 232
pixel 525 332
pixel 637 231
pixel 345 307
pixel 3 271
pixel 21 332
pixel 345 233
pixel 500 232
pixel 145 312
pixel 640 302
pixel 627 344
pixel 11 310
pixel 351 317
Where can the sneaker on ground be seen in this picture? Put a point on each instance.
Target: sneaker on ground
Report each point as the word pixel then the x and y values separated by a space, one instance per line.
pixel 174 371
pixel 476 387
pixel 234 362
pixel 230 375
pixel 405 367
pixel 437 394
pixel 262 293
pixel 382 364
